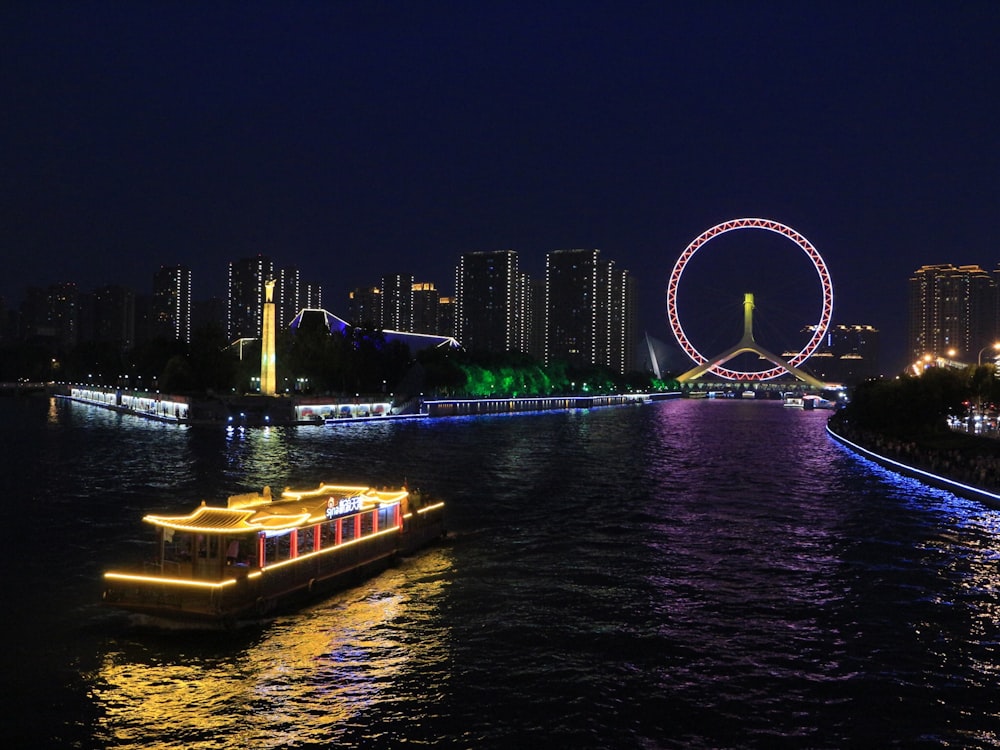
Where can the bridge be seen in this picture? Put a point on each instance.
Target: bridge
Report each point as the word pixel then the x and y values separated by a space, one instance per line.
pixel 748 344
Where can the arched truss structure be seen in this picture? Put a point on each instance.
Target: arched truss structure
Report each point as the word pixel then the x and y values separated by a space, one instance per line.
pixel 729 226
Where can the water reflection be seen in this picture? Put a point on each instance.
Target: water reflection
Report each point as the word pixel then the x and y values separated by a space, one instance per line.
pixel 304 679
pixel 688 573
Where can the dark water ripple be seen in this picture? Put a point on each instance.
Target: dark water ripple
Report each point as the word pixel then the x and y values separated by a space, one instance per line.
pixel 688 574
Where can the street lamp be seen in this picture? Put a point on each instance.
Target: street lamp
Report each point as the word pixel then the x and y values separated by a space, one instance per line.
pixel 979 385
pixel 995 346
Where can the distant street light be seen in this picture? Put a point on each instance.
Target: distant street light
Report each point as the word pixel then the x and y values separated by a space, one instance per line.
pixel 994 346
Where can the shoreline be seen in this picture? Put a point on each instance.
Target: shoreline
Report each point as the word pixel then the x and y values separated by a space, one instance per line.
pixel 271 411
pixel 960 488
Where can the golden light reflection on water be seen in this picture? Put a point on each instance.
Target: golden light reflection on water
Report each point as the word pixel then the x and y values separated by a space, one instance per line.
pixel 304 678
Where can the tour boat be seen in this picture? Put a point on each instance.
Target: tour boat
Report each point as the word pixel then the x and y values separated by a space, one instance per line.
pixel 259 554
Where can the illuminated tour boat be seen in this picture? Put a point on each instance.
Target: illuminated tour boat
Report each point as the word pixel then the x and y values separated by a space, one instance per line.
pixel 223 565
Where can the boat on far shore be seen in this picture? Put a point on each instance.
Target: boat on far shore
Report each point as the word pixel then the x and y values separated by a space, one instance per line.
pixel 258 554
pixel 808 401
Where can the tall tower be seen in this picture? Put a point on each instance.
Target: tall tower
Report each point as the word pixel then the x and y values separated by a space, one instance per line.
pixel 267 369
pixel 747 344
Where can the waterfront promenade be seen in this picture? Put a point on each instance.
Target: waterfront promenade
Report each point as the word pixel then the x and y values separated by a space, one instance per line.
pixel 256 410
pixel 972 472
pixel 21 387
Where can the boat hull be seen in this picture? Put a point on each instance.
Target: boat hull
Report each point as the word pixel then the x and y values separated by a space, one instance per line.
pixel 249 594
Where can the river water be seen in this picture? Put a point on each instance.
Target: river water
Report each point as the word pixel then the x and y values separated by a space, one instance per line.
pixel 685 574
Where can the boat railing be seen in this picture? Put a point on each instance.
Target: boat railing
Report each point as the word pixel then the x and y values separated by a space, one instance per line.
pixel 171 567
pixel 162 567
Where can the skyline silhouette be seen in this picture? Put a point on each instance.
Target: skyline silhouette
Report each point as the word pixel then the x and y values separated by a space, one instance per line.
pixel 355 140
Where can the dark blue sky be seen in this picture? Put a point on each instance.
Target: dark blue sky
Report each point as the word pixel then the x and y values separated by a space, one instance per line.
pixel 362 138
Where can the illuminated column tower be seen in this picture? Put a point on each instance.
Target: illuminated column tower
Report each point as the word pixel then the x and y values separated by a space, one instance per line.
pixel 267 374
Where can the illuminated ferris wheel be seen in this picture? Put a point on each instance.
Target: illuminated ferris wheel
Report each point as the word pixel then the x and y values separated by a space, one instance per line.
pixel 703 363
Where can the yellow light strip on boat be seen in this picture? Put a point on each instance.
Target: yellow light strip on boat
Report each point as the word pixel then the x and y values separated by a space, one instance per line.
pixel 324 489
pixel 177 522
pixel 431 507
pixel 175 581
pixel 255 574
pixel 325 550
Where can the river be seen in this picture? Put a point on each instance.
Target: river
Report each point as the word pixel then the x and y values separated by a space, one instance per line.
pixel 684 574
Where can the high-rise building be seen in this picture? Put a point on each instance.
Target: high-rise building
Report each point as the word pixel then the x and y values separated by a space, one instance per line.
pixel 172 304
pixel 847 354
pixel 245 306
pixel 426 304
pixel 446 316
pixel 625 320
pixel 292 294
pixel 365 307
pixel 64 312
pixel 113 316
pixel 34 315
pixel 287 297
pixel 310 295
pixel 952 311
pixel 536 318
pixel 590 311
pixel 143 318
pixel 210 312
pixel 397 302
pixel 50 316
pixel 490 302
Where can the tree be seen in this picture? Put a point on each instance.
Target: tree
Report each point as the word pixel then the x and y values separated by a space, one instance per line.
pixel 215 367
pixel 178 376
pixel 909 406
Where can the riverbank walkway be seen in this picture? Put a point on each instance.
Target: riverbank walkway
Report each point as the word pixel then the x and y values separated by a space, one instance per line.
pixel 972 474
pixel 261 411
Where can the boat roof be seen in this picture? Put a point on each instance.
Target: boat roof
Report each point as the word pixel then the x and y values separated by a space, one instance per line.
pixel 254 512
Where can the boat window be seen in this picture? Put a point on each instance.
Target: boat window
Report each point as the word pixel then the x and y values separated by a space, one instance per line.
pixel 349 528
pixel 386 517
pixel 277 548
pixel 306 539
pixel 177 546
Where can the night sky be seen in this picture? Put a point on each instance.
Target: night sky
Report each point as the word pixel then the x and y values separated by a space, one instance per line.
pixel 356 139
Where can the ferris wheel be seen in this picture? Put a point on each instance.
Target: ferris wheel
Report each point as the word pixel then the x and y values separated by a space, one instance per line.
pixel 732 225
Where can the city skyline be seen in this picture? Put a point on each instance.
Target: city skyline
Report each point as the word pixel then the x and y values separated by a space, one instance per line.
pixel 356 141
